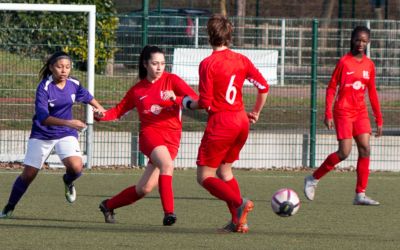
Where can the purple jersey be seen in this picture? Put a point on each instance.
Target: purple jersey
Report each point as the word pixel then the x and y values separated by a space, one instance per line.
pixel 56 102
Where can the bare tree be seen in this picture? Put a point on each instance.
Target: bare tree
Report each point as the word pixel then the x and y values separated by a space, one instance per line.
pixel 327 8
pixel 398 6
pixel 327 13
pixel 241 13
pixel 378 8
pixel 222 5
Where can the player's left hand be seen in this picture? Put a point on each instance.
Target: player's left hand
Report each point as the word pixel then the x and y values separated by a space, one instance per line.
pixel 99 113
pixel 379 131
pixel 253 117
pixel 168 95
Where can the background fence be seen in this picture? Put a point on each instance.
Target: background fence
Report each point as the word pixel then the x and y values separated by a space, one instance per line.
pixel 281 138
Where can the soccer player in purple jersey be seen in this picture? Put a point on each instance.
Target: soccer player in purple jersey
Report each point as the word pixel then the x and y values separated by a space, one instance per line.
pixel 54 127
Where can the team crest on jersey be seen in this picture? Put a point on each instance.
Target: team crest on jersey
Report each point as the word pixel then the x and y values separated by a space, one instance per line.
pixel 73 97
pixel 365 74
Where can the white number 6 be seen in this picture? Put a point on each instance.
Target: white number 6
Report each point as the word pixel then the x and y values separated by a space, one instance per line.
pixel 231 91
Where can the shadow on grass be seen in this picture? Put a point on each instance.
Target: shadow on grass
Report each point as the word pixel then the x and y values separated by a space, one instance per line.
pixel 141 228
pixel 118 227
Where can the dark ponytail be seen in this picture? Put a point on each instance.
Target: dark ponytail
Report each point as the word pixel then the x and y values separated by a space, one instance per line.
pixel 354 33
pixel 45 71
pixel 145 56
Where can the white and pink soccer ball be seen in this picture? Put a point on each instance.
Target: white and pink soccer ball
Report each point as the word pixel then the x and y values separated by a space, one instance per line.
pixel 285 202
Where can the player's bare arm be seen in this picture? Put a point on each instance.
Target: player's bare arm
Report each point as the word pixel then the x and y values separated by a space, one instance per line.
pixel 260 102
pixel 96 106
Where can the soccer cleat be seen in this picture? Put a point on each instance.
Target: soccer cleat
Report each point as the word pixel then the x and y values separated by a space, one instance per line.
pixel 232 228
pixel 169 219
pixel 108 213
pixel 241 215
pixel 243 229
pixel 310 184
pixel 362 199
pixel 70 192
pixel 7 212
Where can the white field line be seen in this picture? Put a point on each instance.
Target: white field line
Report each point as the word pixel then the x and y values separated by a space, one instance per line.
pixel 184 174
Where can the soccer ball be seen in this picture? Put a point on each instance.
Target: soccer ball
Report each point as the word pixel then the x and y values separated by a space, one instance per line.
pixel 285 202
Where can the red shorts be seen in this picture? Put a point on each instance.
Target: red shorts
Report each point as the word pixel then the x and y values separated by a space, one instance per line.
pixel 150 137
pixel 224 137
pixel 348 126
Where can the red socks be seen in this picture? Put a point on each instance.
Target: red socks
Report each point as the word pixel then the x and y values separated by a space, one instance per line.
pixel 166 193
pixel 234 185
pixel 124 198
pixel 329 164
pixel 362 174
pixel 129 195
pixel 222 191
pixel 362 170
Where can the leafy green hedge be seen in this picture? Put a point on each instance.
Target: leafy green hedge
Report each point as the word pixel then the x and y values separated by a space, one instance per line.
pixel 38 34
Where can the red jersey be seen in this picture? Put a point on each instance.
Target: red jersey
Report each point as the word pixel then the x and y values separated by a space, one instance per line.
pixel 353 78
pixel 222 76
pixel 146 97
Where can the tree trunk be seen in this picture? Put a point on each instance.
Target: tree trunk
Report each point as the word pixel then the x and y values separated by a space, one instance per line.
pixel 327 8
pixel 241 13
pixel 222 5
pixel 327 12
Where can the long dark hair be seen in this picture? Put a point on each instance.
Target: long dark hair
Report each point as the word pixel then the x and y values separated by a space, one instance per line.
pixel 354 33
pixel 145 56
pixel 45 71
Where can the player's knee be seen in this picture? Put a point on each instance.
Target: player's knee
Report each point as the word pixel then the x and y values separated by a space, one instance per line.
pixel 29 174
pixel 364 151
pixel 144 190
pixel 200 179
pixel 167 169
pixel 75 168
pixel 27 179
pixel 343 155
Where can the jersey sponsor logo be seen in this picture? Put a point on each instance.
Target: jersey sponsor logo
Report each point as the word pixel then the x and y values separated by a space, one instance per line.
pixel 350 73
pixel 357 85
pixel 155 109
pixel 365 74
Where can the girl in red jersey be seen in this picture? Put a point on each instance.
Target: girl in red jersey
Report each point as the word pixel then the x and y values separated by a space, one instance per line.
pixel 157 98
pixel 353 75
pixel 222 76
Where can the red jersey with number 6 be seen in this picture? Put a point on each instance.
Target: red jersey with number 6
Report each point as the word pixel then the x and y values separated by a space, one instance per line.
pixel 222 76
pixel 353 77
